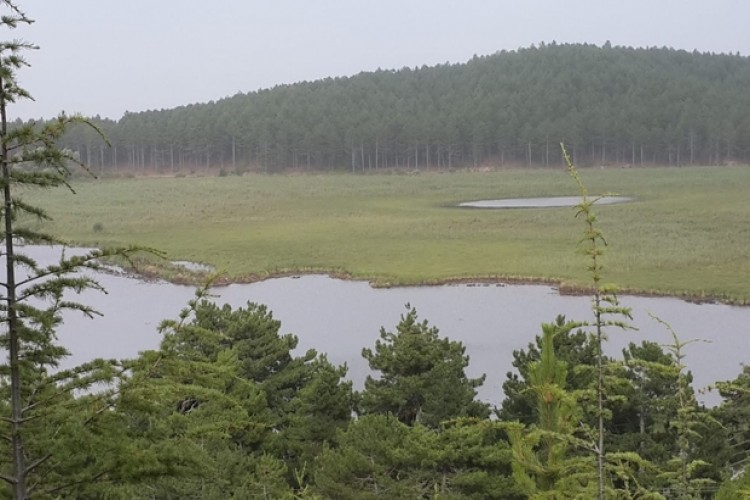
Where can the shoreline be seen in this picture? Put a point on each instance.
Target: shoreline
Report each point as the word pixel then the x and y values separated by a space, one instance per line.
pixel 179 275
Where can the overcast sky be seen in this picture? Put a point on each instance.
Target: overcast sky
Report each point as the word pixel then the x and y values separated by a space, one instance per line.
pixel 106 57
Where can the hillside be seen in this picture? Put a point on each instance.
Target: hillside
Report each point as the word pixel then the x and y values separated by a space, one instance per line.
pixel 610 105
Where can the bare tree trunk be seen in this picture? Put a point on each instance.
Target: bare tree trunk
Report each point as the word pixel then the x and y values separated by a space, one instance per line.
pixel 16 419
pixel 529 151
pixel 600 397
pixel 642 426
pixel 362 155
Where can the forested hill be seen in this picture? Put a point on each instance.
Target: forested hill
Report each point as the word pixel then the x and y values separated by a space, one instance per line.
pixel 610 105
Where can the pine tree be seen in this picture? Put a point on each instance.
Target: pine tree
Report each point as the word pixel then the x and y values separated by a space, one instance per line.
pixel 422 378
pixel 322 407
pixel 734 415
pixel 198 424
pixel 605 305
pixel 306 397
pixel 377 457
pixel 289 382
pixel 380 457
pixel 473 459
pixel 685 474
pixel 547 459
pixel 736 486
pixel 41 402
pixel 553 458
pixel 265 355
pixel 641 419
pixel 573 346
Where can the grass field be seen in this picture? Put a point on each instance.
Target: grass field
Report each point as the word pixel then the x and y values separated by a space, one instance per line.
pixel 687 233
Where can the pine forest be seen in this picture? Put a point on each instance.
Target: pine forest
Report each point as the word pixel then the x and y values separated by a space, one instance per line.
pixel 610 105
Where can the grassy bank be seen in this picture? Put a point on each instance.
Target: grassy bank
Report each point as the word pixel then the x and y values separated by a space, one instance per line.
pixel 687 233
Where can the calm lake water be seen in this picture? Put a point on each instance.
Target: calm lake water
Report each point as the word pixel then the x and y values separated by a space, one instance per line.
pixel 341 317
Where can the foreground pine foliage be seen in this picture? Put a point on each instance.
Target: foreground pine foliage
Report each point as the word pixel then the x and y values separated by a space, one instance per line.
pixel 227 408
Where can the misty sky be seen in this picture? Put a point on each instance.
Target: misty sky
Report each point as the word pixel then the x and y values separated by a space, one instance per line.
pixel 106 57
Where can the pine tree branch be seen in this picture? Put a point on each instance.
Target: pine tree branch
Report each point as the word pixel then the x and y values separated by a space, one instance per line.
pixel 8 479
pixel 60 488
pixel 37 463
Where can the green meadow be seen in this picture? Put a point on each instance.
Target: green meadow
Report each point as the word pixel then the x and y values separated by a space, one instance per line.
pixel 687 233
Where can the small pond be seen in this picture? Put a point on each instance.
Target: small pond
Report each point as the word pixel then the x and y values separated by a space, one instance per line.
pixel 548 202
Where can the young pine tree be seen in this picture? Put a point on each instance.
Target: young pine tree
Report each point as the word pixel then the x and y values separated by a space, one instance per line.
pixel 573 346
pixel 553 457
pixel 422 378
pixel 605 306
pixel 41 412
pixel 547 457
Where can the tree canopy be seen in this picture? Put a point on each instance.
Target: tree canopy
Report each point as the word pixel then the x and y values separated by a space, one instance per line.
pixel 610 105
pixel 422 378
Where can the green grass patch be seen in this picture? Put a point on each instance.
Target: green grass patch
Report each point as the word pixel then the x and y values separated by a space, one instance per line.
pixel 688 232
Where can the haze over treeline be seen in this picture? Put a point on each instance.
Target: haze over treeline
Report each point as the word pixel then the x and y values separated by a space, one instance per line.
pixel 610 105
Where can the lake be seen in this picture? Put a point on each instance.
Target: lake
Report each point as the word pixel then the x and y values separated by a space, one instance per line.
pixel 341 317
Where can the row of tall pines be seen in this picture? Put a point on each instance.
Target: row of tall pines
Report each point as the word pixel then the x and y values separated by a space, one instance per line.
pixel 610 105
